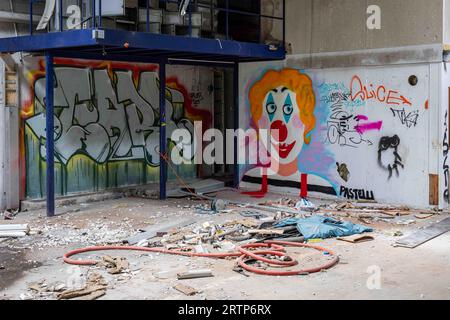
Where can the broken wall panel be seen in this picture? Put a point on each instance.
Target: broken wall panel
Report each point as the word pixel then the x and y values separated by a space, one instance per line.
pixel 106 123
pixel 361 133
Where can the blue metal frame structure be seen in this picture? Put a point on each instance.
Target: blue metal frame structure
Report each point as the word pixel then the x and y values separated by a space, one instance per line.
pixel 50 147
pixel 116 45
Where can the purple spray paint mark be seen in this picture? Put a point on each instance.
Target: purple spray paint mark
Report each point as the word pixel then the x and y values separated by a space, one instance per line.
pixel 361 117
pixel 362 128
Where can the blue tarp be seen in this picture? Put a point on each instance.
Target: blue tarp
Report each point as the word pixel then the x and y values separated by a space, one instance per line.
pixel 319 227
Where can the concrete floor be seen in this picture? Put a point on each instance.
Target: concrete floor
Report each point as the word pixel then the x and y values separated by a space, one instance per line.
pixel 370 270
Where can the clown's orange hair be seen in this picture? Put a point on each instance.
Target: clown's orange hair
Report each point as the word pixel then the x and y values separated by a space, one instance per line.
pixel 295 81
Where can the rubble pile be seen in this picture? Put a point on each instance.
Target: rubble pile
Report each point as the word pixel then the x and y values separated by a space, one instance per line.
pixel 95 233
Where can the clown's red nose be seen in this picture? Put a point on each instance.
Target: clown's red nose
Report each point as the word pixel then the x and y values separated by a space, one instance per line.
pixel 279 131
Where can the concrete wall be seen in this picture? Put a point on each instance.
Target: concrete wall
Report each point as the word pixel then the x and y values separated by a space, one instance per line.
pixel 447 23
pixel 315 26
pixel 372 134
pixel 106 123
pixel 8 29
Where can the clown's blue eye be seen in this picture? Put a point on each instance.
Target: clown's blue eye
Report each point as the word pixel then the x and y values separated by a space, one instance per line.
pixel 271 108
pixel 288 109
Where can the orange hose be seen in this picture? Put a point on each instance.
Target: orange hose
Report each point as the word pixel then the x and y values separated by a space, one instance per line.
pixel 243 254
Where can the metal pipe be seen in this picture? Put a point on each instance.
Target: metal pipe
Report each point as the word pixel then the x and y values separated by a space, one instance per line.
pixel 148 16
pixel 100 13
pixel 94 18
pixel 60 3
pixel 260 23
pixel 190 20
pixel 227 19
pixel 49 142
pixel 162 132
pixel 31 17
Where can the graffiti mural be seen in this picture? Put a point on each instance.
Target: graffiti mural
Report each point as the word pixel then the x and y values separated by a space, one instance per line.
pixel 348 130
pixel 283 103
pixel 388 157
pixel 378 93
pixel 407 118
pixel 106 116
pixel 344 128
pixel 356 194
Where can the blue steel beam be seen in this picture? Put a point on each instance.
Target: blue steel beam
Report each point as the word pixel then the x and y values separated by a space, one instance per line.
pixel 152 41
pixel 107 57
pixel 48 41
pixel 70 40
pixel 49 142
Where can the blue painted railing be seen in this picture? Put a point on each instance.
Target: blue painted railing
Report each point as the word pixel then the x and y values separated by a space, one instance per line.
pixel 95 19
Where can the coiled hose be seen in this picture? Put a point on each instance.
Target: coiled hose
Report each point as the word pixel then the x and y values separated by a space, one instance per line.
pixel 254 251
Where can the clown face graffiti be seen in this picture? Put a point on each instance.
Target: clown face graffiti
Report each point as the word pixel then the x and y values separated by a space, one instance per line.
pixel 281 116
pixel 283 102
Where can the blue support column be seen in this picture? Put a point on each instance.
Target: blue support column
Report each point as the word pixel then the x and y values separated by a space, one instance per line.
pixel 236 122
pixel 49 142
pixel 162 132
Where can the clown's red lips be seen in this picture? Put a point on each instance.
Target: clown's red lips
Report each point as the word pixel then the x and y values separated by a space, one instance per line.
pixel 285 149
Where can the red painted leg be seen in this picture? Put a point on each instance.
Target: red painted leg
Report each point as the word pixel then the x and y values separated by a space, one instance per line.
pixel 304 186
pixel 264 189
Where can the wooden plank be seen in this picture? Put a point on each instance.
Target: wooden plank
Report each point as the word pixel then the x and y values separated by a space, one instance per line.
pixel 434 189
pixel 420 237
pixel 357 238
pixel 11 98
pixel 189 291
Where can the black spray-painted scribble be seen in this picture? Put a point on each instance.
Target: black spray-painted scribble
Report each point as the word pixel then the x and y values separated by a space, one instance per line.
pixel 197 98
pixel 408 119
pixel 388 156
pixel 343 127
pixel 356 194
pixel 343 171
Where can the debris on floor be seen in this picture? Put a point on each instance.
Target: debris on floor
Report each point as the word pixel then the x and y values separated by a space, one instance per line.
pixel 10 214
pixel 115 265
pixel 235 231
pixel 305 205
pixel 357 238
pixel 94 289
pixel 14 230
pixel 420 237
pixel 423 216
pixel 195 274
pixel 155 230
pixel 322 227
pixel 189 291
